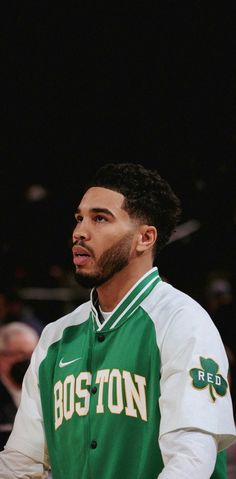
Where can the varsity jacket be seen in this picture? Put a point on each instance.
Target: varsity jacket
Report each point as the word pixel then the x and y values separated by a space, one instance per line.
pixel 99 395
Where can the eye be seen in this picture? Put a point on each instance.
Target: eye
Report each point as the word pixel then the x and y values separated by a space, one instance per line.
pixel 78 218
pixel 99 219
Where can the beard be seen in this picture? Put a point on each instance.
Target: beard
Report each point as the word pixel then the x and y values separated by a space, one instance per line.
pixel 111 262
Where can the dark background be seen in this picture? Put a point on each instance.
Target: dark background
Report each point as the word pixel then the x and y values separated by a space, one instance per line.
pixel 79 91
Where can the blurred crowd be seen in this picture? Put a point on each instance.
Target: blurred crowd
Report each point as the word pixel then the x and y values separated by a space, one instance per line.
pixel 25 311
pixel 17 342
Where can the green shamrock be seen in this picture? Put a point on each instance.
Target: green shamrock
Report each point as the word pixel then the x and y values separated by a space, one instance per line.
pixel 208 377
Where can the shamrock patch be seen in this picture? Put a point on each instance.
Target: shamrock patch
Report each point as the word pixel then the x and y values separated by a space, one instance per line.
pixel 208 377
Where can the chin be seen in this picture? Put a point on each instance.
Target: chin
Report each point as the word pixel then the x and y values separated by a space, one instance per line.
pixel 88 280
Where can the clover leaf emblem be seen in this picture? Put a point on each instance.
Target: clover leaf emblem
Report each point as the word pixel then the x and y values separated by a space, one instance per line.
pixel 208 376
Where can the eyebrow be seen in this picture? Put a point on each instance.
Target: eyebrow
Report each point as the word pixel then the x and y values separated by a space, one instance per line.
pixel 99 210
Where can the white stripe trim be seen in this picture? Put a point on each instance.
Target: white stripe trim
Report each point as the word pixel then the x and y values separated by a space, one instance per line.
pixel 127 294
pixel 130 304
pixel 95 314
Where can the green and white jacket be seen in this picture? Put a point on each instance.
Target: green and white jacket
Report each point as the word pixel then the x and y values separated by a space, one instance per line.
pixel 98 396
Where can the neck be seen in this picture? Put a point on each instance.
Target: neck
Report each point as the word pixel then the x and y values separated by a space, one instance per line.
pixel 112 292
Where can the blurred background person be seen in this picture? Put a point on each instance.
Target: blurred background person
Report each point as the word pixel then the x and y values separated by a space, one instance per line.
pixel 220 304
pixel 13 308
pixel 17 342
pixel 231 451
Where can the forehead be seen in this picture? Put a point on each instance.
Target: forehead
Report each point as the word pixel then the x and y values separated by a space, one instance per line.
pixel 97 197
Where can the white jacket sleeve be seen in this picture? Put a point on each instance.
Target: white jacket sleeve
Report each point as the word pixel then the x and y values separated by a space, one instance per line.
pixel 15 465
pixel 28 435
pixel 188 453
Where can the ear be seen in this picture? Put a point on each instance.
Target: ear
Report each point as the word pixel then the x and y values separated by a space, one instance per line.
pixel 146 238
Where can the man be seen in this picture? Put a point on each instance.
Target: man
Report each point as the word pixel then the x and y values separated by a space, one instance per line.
pixel 17 342
pixel 132 384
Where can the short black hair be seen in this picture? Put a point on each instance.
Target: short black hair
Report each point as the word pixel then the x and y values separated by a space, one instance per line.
pixel 148 197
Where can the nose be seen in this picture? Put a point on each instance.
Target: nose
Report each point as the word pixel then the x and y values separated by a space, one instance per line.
pixel 80 232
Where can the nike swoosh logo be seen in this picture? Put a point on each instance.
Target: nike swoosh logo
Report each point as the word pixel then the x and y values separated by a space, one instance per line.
pixel 62 364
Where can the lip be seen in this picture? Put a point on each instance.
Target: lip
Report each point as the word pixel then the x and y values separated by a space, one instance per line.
pixel 79 250
pixel 80 255
pixel 81 260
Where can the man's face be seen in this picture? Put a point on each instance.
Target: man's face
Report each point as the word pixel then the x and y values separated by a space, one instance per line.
pixel 104 237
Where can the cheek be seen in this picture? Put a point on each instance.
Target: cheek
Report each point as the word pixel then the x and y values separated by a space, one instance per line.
pixel 107 239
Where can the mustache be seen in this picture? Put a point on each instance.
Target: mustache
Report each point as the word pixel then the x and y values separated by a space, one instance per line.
pixel 83 245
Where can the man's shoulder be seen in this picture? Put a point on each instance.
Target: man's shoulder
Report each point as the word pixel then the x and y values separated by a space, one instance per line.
pixel 175 313
pixel 166 295
pixel 167 302
pixel 77 316
pixel 53 332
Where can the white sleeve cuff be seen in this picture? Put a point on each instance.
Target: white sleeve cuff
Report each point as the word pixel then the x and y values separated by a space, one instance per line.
pixel 188 453
pixel 15 465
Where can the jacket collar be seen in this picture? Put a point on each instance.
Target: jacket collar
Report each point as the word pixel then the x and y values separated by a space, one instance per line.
pixel 128 304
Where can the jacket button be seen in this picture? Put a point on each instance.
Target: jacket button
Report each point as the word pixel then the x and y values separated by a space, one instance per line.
pixel 93 444
pixel 101 338
pixel 94 390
